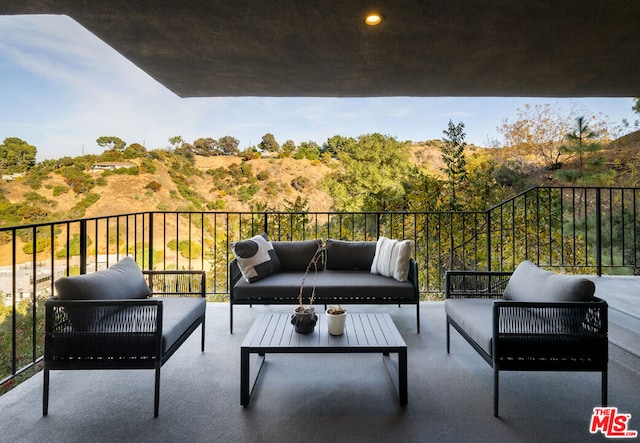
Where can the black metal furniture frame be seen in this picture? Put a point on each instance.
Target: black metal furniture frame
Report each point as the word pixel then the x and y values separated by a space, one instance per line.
pixel 131 339
pixel 364 333
pixel 534 336
pixel 344 295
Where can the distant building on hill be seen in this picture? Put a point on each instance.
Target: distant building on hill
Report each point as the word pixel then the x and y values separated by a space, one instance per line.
pixel 110 166
pixel 12 177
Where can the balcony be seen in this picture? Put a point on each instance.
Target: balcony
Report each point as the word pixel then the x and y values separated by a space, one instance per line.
pixel 317 397
pixel 591 231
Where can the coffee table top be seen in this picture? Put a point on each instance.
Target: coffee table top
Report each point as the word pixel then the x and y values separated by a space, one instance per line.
pixel 363 333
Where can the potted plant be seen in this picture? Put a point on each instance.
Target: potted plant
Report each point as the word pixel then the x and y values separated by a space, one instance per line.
pixel 336 316
pixel 304 317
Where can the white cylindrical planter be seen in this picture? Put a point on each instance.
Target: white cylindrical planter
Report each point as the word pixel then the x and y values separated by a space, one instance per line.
pixel 336 323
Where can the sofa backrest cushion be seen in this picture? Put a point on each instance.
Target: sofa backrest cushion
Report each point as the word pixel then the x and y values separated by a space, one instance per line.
pixel 530 283
pixel 296 255
pixel 256 257
pixel 350 255
pixel 392 258
pixel 123 280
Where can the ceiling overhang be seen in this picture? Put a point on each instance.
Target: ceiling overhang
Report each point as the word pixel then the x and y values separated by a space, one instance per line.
pixel 290 48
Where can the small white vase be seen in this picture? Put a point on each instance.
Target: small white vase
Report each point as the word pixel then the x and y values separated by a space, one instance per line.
pixel 336 323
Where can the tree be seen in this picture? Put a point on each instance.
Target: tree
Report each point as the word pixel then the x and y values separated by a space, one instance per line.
pixel 111 143
pixel 579 139
pixel 269 143
pixel 288 147
pixel 538 131
pixel 228 145
pixel 17 155
pixel 309 150
pixel 454 159
pixel 371 174
pixel 135 150
pixel 636 106
pixel 206 147
pixel 176 141
pixel 336 143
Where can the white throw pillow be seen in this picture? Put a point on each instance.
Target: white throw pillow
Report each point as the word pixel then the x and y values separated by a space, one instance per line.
pixel 392 258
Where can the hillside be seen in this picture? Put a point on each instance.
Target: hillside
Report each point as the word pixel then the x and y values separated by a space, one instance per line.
pixel 227 183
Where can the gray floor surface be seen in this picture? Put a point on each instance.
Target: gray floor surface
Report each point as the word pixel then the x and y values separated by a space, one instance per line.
pixel 309 398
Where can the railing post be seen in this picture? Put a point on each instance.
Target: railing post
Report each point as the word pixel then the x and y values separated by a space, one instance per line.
pixel 266 222
pixel 83 246
pixel 377 225
pixel 151 240
pixel 598 232
pixel 451 241
pixel 488 223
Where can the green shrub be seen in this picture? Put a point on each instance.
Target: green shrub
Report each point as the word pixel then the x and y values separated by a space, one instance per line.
pixel 299 183
pixel 153 186
pixel 218 173
pixel 245 193
pixel 148 167
pixel 59 190
pixel 73 246
pixel 216 205
pixel 41 245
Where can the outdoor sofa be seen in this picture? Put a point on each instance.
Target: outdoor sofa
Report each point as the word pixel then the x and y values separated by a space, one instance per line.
pixel 529 320
pixel 121 318
pixel 344 276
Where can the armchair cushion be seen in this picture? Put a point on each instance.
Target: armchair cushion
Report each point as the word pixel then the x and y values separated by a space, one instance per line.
pixel 124 280
pixel 532 284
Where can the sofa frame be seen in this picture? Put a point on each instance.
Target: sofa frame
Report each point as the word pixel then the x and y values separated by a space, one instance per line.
pixel 121 344
pixel 533 336
pixel 342 296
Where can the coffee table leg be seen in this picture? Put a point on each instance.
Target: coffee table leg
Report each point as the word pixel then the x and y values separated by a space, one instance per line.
pixel 244 377
pixel 247 383
pixel 402 377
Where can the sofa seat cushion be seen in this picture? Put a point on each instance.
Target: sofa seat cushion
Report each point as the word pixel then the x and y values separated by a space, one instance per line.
pixel 178 313
pixel 330 285
pixel 475 317
pixel 530 283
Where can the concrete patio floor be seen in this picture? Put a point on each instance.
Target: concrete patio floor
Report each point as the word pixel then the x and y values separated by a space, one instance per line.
pixel 308 398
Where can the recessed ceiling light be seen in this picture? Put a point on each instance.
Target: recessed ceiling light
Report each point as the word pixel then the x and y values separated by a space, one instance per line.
pixel 373 19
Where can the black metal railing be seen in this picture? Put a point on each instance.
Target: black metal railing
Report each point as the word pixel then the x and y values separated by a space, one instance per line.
pixel 578 230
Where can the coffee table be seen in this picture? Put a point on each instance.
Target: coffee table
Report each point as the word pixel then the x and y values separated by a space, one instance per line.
pixel 364 333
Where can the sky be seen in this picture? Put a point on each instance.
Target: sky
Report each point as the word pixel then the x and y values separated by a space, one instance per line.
pixel 61 88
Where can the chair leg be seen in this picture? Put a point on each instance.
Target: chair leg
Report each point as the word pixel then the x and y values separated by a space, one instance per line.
pixel 495 392
pixel 45 393
pixel 230 317
pixel 418 315
pixel 448 336
pixel 202 326
pixel 156 399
